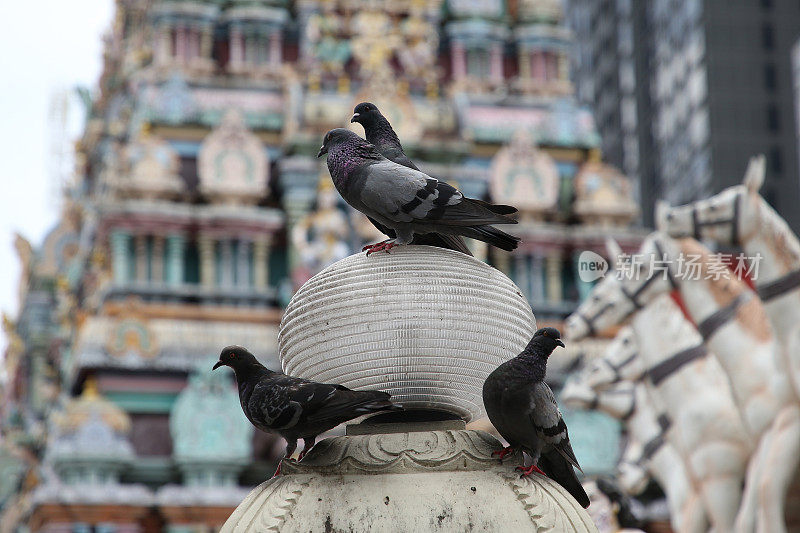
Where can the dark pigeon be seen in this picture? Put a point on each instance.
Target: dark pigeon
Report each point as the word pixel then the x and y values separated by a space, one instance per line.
pixel 380 133
pixel 295 408
pixel 523 409
pixel 406 200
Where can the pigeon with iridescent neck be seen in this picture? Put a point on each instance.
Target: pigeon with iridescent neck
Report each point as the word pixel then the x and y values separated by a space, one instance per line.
pixel 380 134
pixel 407 200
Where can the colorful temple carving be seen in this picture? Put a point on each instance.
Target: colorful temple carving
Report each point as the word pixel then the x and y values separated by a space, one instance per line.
pixel 199 206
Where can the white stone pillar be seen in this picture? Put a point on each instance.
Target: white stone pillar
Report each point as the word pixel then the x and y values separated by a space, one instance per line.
pixel 176 248
pixel 180 43
pixel 140 251
pixel 226 255
pixel 524 64
pixel 243 263
pixel 237 48
pixel 537 278
pixel 157 259
pixel 163 44
pixel 458 57
pixel 275 48
pixel 206 41
pixel 496 63
pixel 554 285
pixel 261 262
pixel 120 256
pixel 205 246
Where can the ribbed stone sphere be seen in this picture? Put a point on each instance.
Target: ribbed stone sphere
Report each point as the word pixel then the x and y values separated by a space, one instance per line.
pixel 422 323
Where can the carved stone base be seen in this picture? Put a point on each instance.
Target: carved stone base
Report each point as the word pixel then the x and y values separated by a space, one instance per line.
pixel 418 481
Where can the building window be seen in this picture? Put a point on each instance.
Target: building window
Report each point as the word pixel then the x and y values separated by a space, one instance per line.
pixel 773 118
pixel 775 161
pixel 770 78
pixel 767 36
pixel 770 197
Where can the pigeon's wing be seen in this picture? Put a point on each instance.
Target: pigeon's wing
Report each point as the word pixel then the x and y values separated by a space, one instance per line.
pixel 406 195
pixel 323 402
pixel 546 419
pixel 450 242
pixel 270 404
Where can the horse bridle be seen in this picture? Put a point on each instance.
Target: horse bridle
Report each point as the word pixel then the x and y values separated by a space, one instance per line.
pixel 698 225
pixel 632 297
pixel 595 403
pixel 652 446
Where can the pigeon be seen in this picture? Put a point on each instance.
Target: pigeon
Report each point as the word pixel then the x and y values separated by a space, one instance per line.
pixel 380 133
pixel 523 409
pixel 406 200
pixel 295 408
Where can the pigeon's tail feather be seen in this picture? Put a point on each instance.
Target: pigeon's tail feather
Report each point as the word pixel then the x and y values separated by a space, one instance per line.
pixel 560 470
pixel 348 404
pixel 500 209
pixel 493 236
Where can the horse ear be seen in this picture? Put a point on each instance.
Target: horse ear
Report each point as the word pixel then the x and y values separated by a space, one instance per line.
pixel 660 215
pixel 614 251
pixel 754 175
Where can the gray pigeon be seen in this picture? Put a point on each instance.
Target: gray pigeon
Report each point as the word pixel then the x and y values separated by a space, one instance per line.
pixel 380 133
pixel 523 409
pixel 295 408
pixel 407 200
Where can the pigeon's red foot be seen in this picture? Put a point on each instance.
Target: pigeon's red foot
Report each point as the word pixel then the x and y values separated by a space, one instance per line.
pixel 528 470
pixel 384 246
pixel 301 455
pixel 502 453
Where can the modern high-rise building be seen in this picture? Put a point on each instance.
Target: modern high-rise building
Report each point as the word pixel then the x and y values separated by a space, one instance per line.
pixel 685 92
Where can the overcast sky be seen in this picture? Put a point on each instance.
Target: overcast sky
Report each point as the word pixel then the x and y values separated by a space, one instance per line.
pixel 46 48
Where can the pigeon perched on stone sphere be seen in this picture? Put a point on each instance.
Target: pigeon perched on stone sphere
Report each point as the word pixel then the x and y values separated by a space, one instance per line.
pixel 379 133
pixel 406 200
pixel 295 408
pixel 523 409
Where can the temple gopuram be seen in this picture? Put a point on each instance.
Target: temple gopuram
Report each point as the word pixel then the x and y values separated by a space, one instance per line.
pixel 198 207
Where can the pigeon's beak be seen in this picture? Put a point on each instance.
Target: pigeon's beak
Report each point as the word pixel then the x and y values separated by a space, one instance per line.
pixel 560 343
pixel 218 364
pixel 322 150
pixel 354 118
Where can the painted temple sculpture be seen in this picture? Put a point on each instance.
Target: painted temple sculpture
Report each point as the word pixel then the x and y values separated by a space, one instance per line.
pixel 197 208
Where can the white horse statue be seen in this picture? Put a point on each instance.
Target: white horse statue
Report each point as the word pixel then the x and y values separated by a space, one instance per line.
pixel 687 383
pixel 739 216
pixel 733 324
pixel 647 452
